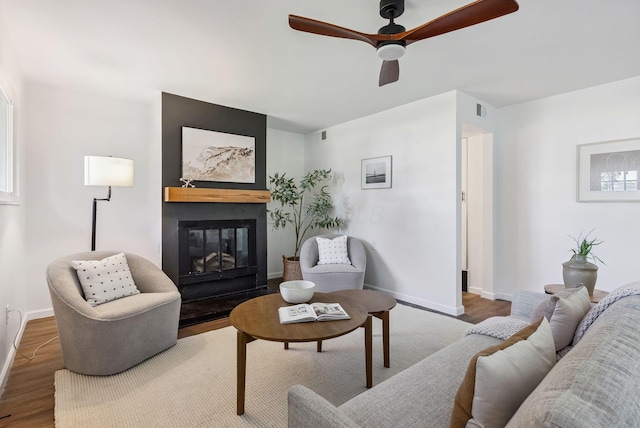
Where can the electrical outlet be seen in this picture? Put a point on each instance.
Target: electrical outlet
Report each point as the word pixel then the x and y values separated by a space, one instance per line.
pixel 6 320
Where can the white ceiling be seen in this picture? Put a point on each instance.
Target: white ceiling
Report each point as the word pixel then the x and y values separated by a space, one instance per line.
pixel 242 53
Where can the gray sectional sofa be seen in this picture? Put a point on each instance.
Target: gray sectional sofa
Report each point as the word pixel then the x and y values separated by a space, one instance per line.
pixel 595 384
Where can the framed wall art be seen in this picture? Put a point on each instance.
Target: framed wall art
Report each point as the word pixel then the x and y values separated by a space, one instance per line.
pixel 376 173
pixel 608 171
pixel 218 156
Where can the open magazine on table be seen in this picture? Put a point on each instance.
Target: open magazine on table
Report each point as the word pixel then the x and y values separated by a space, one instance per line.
pixel 312 312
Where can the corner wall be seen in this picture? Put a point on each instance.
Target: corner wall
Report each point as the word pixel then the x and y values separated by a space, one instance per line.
pixel 536 187
pixel 285 151
pixel 410 231
pixel 61 126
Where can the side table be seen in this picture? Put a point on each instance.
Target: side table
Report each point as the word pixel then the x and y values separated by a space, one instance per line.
pixel 595 298
pixel 377 304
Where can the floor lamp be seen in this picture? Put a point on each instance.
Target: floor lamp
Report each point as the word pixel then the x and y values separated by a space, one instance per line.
pixel 105 171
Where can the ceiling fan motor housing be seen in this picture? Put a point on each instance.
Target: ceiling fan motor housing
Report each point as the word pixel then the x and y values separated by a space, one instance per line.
pixel 391 8
pixel 391 50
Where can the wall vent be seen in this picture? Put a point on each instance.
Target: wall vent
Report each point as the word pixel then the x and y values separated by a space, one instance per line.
pixel 324 135
pixel 481 111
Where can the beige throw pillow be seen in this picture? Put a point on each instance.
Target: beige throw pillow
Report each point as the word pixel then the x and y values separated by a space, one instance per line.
pixel 564 310
pixel 105 280
pixel 501 377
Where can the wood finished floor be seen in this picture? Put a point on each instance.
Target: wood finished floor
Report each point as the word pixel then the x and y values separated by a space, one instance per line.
pixel 28 398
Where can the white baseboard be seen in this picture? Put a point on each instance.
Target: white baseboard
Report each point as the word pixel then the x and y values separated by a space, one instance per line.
pixel 488 295
pixel 6 368
pixel 491 295
pixel 427 304
pixel 274 275
pixel 503 296
pixel 42 313
pixel 474 290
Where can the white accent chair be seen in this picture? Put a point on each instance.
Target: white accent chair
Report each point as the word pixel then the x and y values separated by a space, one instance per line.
pixel 333 277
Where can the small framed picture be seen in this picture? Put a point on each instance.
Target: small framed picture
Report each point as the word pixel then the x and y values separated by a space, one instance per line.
pixel 608 171
pixel 376 173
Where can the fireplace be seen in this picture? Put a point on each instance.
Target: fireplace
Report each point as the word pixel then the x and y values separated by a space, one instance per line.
pixel 218 267
pixel 214 247
pixel 216 258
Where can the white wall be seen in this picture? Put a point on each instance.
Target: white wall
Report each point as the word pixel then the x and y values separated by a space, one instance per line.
pixel 536 190
pixel 409 231
pixel 285 154
pixel 13 270
pixel 61 127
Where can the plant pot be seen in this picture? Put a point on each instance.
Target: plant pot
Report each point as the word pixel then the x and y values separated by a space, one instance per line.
pixel 578 271
pixel 291 271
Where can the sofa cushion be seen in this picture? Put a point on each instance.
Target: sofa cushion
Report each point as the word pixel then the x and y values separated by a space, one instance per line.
pixel 333 251
pixel 596 384
pixel 564 310
pixel 501 377
pixel 105 280
pixel 421 395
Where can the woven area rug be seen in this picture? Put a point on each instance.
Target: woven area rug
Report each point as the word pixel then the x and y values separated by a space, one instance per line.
pixel 193 384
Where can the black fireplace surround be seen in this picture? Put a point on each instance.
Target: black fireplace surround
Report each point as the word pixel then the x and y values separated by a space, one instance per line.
pixel 212 284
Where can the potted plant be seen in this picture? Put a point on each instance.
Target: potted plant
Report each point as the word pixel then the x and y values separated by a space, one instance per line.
pixel 578 270
pixel 305 205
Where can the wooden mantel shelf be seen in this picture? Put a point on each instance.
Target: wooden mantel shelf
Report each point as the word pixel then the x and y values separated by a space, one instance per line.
pixel 196 194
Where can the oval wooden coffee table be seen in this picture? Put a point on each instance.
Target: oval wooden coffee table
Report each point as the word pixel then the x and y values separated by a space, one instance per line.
pixel 258 319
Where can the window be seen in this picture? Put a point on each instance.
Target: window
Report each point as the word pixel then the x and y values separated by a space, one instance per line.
pixel 7 171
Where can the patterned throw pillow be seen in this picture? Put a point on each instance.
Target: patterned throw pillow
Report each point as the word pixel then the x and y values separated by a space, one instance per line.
pixel 333 251
pixel 105 280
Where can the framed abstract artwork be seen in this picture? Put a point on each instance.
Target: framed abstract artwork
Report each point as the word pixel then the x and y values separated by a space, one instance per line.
pixel 608 171
pixel 218 156
pixel 376 173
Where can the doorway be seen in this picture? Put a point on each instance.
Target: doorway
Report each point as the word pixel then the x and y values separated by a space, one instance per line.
pixel 477 213
pixel 463 212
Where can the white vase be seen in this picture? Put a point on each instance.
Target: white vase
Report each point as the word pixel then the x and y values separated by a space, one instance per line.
pixel 578 271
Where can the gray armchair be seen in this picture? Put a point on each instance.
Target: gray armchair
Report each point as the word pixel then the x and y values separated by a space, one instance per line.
pixel 114 336
pixel 333 277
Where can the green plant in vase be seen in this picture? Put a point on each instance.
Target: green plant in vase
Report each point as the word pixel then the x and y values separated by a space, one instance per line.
pixel 578 270
pixel 304 205
pixel 584 247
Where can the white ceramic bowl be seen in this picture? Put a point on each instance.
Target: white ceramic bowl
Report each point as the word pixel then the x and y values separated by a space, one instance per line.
pixel 297 291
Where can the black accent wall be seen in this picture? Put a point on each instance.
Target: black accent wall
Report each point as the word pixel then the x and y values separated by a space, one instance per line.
pixel 177 112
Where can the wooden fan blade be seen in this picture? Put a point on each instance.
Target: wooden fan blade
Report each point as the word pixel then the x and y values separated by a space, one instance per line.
pixel 389 73
pixel 465 16
pixel 309 25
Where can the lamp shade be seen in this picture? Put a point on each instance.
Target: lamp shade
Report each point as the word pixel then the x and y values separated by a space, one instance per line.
pixel 108 171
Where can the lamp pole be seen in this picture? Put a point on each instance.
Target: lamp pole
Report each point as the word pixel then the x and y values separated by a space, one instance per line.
pixel 93 218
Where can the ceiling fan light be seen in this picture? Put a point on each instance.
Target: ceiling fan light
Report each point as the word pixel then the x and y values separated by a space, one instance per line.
pixel 390 52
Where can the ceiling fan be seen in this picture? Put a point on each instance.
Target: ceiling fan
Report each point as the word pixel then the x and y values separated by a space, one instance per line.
pixel 392 39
